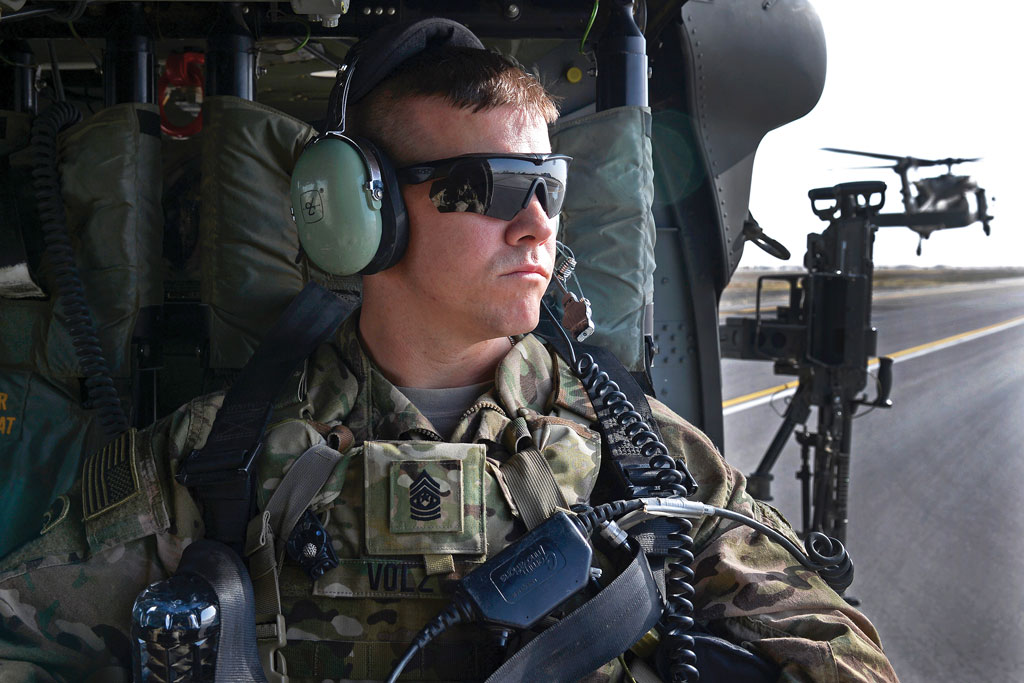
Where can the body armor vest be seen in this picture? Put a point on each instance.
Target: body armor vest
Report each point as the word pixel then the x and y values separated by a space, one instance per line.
pixel 408 519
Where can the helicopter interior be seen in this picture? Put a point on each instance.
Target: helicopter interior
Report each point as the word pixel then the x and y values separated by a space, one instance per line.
pixel 171 129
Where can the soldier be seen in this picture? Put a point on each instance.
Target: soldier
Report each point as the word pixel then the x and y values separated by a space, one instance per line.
pixel 421 398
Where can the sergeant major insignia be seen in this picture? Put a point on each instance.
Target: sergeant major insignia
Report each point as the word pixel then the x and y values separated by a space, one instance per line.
pixel 425 498
pixel 109 477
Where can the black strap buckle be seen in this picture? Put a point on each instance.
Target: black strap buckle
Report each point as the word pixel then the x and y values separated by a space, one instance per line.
pixel 222 479
pixel 221 491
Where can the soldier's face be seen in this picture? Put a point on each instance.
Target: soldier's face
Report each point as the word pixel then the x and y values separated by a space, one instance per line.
pixel 483 276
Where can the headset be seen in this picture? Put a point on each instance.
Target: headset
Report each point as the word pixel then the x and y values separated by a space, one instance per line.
pixel 346 199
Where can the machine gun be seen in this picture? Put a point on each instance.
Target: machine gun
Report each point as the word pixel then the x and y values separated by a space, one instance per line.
pixel 825 337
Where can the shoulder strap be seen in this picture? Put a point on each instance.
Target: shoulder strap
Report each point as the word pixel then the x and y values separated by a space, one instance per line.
pixel 529 478
pixel 220 473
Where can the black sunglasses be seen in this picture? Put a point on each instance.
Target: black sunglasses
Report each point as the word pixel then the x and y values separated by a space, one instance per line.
pixel 495 185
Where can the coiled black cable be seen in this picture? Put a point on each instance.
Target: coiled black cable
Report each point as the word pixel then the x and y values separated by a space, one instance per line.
pixel 836 565
pixel 678 620
pixel 670 478
pixel 70 290
pixel 589 519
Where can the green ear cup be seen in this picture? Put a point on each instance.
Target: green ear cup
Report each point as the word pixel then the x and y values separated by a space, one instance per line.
pixel 338 216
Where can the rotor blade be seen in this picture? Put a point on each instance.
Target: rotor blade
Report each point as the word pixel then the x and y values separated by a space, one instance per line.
pixel 864 154
pixel 958 160
pixel 857 168
pixel 949 161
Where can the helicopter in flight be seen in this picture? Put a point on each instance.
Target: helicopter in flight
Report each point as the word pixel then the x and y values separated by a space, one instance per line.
pixel 934 203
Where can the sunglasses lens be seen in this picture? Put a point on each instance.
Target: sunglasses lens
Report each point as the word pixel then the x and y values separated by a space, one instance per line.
pixel 516 181
pixel 510 195
pixel 554 197
pixel 500 187
pixel 467 188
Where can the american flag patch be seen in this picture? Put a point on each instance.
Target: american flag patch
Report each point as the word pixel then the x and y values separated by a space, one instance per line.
pixel 109 477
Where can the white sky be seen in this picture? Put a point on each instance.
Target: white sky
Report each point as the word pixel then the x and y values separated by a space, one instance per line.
pixel 925 78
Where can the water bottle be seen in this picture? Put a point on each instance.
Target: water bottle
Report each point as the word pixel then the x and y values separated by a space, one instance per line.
pixel 175 627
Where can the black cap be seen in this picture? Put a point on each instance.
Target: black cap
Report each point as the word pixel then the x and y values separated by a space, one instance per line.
pixel 385 49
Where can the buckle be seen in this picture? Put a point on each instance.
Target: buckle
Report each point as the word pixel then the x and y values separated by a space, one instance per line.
pixel 229 483
pixel 226 495
pixel 270 638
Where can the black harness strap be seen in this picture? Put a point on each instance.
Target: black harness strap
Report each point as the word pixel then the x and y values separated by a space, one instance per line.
pixel 221 473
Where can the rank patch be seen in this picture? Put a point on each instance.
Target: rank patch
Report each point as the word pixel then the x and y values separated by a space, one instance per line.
pixel 424 498
pixel 426 495
pixel 109 477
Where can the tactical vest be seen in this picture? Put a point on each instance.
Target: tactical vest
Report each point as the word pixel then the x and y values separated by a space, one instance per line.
pixel 408 519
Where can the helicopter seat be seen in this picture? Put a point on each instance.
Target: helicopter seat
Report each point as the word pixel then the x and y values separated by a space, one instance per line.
pixel 109 170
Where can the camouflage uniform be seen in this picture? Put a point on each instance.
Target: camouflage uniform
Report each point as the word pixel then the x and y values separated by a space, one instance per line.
pixel 65 598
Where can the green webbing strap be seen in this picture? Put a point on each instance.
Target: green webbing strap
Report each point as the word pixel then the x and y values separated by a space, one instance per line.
pixel 643 673
pixel 268 535
pixel 268 620
pixel 291 498
pixel 529 478
pixel 596 633
pixel 532 485
pixel 259 553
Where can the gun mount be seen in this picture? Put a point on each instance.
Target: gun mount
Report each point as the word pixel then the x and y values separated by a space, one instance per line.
pixel 823 336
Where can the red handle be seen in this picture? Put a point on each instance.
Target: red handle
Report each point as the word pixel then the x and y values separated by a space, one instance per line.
pixel 183 69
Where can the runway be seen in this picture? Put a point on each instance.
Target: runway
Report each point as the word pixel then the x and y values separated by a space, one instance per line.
pixel 936 521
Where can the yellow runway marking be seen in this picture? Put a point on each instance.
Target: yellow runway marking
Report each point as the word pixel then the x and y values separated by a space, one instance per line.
pixel 903 354
pixel 759 394
pixel 954 338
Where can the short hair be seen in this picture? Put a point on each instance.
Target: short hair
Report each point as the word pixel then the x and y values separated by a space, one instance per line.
pixel 464 77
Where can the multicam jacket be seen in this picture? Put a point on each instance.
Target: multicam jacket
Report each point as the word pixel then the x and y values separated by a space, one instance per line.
pixel 66 597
